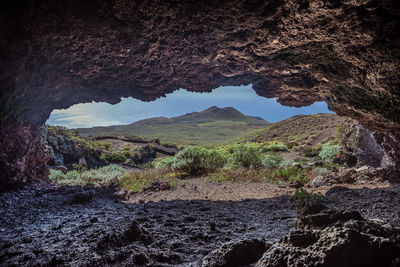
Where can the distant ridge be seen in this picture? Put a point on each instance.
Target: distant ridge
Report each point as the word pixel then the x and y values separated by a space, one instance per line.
pixel 210 126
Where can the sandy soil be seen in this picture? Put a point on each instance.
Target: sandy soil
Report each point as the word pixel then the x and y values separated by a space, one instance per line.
pixel 47 226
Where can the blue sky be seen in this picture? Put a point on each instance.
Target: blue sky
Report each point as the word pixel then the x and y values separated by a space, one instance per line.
pixel 242 98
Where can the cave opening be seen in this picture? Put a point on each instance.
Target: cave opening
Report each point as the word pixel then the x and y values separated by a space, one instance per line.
pixel 133 134
pixel 184 118
pixel 204 203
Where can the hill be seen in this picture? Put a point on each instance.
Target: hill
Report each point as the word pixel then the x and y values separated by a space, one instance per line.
pixel 211 126
pixel 300 130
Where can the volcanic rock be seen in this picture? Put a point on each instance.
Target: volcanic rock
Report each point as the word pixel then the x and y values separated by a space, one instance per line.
pixel 235 253
pixel 328 237
pixel 59 53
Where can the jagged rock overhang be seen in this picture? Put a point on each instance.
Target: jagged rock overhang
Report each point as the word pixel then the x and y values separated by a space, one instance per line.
pixel 58 53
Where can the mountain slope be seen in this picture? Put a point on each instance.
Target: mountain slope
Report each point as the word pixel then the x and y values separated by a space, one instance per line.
pixel 303 130
pixel 211 126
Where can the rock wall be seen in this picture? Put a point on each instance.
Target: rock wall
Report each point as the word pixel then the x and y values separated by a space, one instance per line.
pixel 58 53
pixel 23 156
pixel 369 148
pixel 65 151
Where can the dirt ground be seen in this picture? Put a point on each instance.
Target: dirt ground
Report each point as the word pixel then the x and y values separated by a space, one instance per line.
pixel 74 226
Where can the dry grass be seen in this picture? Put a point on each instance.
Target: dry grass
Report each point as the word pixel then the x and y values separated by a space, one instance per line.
pixel 139 179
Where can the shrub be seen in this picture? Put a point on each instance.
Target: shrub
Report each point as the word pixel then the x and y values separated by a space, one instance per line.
pixel 165 163
pixel 126 151
pixel 197 160
pixel 286 163
pixel 271 161
pixel 138 180
pixel 329 152
pixel 303 196
pixel 275 147
pixel 289 174
pixel 246 156
pixel 114 157
pixel 320 170
pixel 104 145
pixel 311 151
pixel 98 177
pixel 292 144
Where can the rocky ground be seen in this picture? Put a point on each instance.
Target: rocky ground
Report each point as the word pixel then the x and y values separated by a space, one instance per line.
pixel 74 226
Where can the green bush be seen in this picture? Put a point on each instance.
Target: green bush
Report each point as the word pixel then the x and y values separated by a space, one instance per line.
pixel 303 195
pixel 197 160
pixel 126 151
pixel 104 145
pixel 246 156
pixel 309 152
pixel 329 152
pixel 290 174
pixel 271 161
pixel 98 177
pixel 165 163
pixel 114 157
pixel 275 147
pixel 286 163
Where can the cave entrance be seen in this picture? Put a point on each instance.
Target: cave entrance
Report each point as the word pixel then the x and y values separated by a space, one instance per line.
pixel 130 110
pixel 135 135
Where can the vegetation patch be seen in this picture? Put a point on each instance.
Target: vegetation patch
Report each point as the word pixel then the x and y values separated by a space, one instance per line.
pixel 99 177
pixel 329 152
pixel 303 196
pixel 81 142
pixel 198 160
pixel 114 157
pixel 140 179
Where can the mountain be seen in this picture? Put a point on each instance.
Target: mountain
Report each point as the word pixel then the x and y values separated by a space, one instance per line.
pixel 302 130
pixel 211 126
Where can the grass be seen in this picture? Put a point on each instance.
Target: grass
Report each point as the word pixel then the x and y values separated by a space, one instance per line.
pixel 138 180
pixel 99 177
pixel 135 180
pixel 197 128
pixel 300 131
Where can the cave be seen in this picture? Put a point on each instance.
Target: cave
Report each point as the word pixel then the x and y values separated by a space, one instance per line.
pixel 56 54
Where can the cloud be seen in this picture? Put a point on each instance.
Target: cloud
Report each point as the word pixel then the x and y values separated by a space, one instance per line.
pixel 129 110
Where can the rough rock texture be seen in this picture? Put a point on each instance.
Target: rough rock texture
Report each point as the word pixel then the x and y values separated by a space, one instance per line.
pixel 23 156
pixel 58 53
pixel 74 226
pixel 145 154
pixel 362 148
pixel 66 151
pixel 328 237
pixel 235 253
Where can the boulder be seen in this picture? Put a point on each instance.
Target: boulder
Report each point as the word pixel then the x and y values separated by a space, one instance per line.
pixel 65 148
pixel 361 148
pixel 320 180
pixel 82 197
pixel 329 237
pixel 236 253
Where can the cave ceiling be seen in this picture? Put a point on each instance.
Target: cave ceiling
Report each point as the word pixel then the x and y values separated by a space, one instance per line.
pixel 58 53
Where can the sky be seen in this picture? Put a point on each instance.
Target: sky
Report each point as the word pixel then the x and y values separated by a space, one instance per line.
pixel 242 98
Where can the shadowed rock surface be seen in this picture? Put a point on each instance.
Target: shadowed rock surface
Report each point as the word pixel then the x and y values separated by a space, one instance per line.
pixel 58 53
pixel 47 226
pixel 329 237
